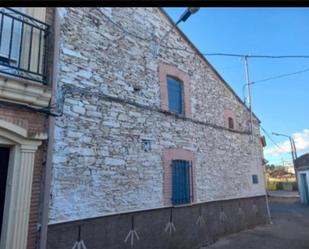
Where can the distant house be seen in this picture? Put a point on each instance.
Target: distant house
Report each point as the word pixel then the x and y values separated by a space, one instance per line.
pixel 302 171
pixel 290 169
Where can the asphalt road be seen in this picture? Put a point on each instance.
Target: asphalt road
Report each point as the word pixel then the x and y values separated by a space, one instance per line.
pixel 290 230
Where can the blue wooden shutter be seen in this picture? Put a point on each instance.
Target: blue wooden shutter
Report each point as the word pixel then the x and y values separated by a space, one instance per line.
pixel 175 101
pixel 180 182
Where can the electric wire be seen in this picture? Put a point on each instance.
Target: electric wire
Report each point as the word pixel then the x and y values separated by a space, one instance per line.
pixel 224 54
pixel 280 76
pixel 272 78
pixel 273 141
pixel 205 54
pixel 259 56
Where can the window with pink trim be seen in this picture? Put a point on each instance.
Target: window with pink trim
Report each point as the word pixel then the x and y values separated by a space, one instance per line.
pixel 230 119
pixel 174 90
pixel 179 177
pixel 231 123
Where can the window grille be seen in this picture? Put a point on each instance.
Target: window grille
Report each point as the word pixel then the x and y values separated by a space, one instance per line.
pixel 181 182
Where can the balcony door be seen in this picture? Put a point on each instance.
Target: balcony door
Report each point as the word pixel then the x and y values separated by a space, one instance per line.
pixel 23 42
pixel 10 37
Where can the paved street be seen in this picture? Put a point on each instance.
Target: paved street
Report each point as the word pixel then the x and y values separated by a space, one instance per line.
pixel 290 230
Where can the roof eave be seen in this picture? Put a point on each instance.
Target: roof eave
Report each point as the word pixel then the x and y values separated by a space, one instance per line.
pixel 205 60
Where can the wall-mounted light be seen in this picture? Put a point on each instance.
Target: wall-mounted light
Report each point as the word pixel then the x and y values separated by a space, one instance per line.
pixel 183 18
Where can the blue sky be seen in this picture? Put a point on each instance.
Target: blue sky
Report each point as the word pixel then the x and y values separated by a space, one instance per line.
pixel 282 104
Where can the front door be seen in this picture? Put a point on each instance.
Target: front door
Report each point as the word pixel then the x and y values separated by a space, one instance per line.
pixel 4 164
pixel 304 188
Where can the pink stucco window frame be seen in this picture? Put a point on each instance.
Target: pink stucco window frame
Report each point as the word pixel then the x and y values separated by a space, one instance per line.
pixel 169 70
pixel 168 156
pixel 230 114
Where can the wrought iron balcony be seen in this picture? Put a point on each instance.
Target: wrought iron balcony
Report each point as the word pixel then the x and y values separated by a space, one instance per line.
pixel 23 45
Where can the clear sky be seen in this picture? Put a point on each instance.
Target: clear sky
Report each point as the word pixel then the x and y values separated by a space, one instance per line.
pixel 282 105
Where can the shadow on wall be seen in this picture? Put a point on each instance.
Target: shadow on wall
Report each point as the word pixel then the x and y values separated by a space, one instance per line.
pixel 184 227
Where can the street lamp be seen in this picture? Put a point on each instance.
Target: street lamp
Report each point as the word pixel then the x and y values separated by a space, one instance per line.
pixel 187 14
pixel 292 143
pixel 293 150
pixel 183 18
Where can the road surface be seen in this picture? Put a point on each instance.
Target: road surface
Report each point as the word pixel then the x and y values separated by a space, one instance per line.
pixel 290 230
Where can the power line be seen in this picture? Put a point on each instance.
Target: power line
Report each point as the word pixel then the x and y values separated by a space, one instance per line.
pixel 228 67
pixel 280 76
pixel 273 78
pixel 270 138
pixel 205 54
pixel 258 56
pixel 280 56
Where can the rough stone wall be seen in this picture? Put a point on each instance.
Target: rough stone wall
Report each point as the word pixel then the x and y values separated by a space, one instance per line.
pixel 99 166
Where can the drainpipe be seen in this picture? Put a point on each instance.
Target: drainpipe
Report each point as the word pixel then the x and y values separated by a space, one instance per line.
pixel 48 169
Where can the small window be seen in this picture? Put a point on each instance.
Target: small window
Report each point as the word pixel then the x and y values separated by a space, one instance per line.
pixel 175 95
pixel 231 123
pixel 255 179
pixel 146 145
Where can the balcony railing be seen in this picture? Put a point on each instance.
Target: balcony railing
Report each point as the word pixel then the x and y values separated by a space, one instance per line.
pixel 23 45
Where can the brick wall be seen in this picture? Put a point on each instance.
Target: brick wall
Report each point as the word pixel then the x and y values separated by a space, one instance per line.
pixel 39 122
pixel 33 122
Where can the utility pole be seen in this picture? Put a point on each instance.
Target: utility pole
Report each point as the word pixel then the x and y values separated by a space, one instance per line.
pixel 248 99
pixel 249 105
pixel 293 147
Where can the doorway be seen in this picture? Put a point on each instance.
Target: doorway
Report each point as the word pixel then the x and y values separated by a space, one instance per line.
pixel 304 188
pixel 4 164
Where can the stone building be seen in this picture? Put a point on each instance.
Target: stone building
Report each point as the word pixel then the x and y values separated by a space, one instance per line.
pixel 150 139
pixel 25 40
